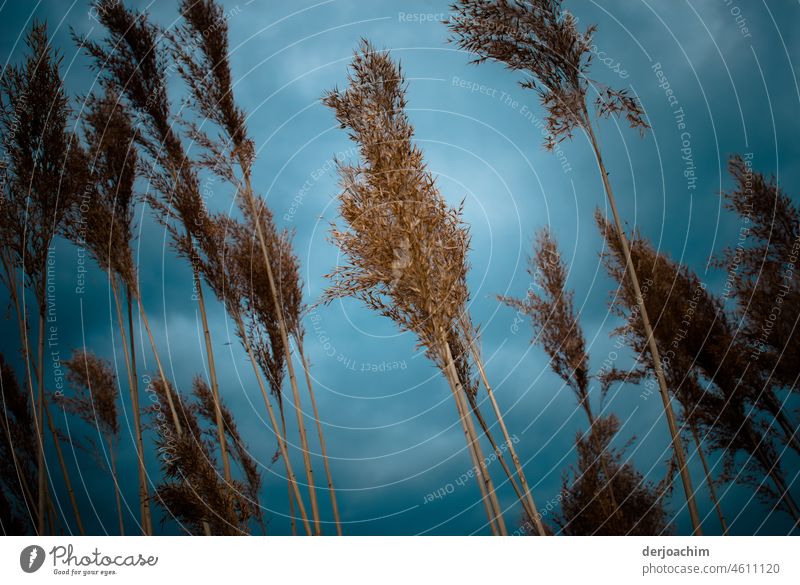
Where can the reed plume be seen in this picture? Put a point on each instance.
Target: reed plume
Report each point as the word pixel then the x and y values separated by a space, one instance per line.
pixel 554 319
pixel 42 179
pixel 95 401
pixel 193 490
pixel 557 329
pixel 543 41
pixel 761 282
pixel 240 454
pixel 200 47
pixel 640 512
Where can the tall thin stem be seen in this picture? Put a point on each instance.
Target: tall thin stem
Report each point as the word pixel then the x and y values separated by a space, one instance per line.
pixel 286 348
pixel 288 485
pixel 144 496
pixel 677 444
pixel 481 484
pixel 117 489
pixel 212 374
pixel 709 480
pixel 281 444
pixel 323 448
pixel 170 402
pixel 64 471
pixel 481 468
pixel 39 415
pixel 531 507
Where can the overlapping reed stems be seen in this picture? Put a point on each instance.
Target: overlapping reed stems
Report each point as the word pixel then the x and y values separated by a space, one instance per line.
pixel 41 182
pixel 18 446
pixel 200 46
pixel 703 346
pixel 131 62
pixel 229 257
pixel 523 491
pixel 193 490
pixel 542 40
pixel 102 224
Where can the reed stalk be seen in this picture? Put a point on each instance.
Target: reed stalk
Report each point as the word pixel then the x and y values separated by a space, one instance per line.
pixel 276 430
pixel 64 471
pixel 404 248
pixel 712 490
pixel 117 488
pixel 133 385
pixel 324 451
pixel 530 508
pixel 482 470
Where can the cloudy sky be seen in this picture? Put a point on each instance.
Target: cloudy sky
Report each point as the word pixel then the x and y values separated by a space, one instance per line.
pixel 390 423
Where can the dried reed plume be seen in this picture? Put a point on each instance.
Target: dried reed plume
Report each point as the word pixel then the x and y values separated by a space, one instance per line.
pixel 641 511
pixel 761 280
pixel 42 171
pixel 200 47
pixel 557 329
pixel 193 491
pixel 554 319
pixel 613 506
pixel 404 248
pixel 95 401
pixel 543 41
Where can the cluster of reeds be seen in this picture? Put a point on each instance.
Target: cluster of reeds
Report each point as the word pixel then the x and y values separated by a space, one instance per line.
pixel 131 61
pixel 606 495
pixel 102 224
pixel 542 40
pixel 405 256
pixel 41 180
pixel 200 47
pixel 724 397
pixel 227 265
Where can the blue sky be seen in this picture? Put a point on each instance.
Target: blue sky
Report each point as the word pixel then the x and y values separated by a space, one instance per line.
pixel 390 424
